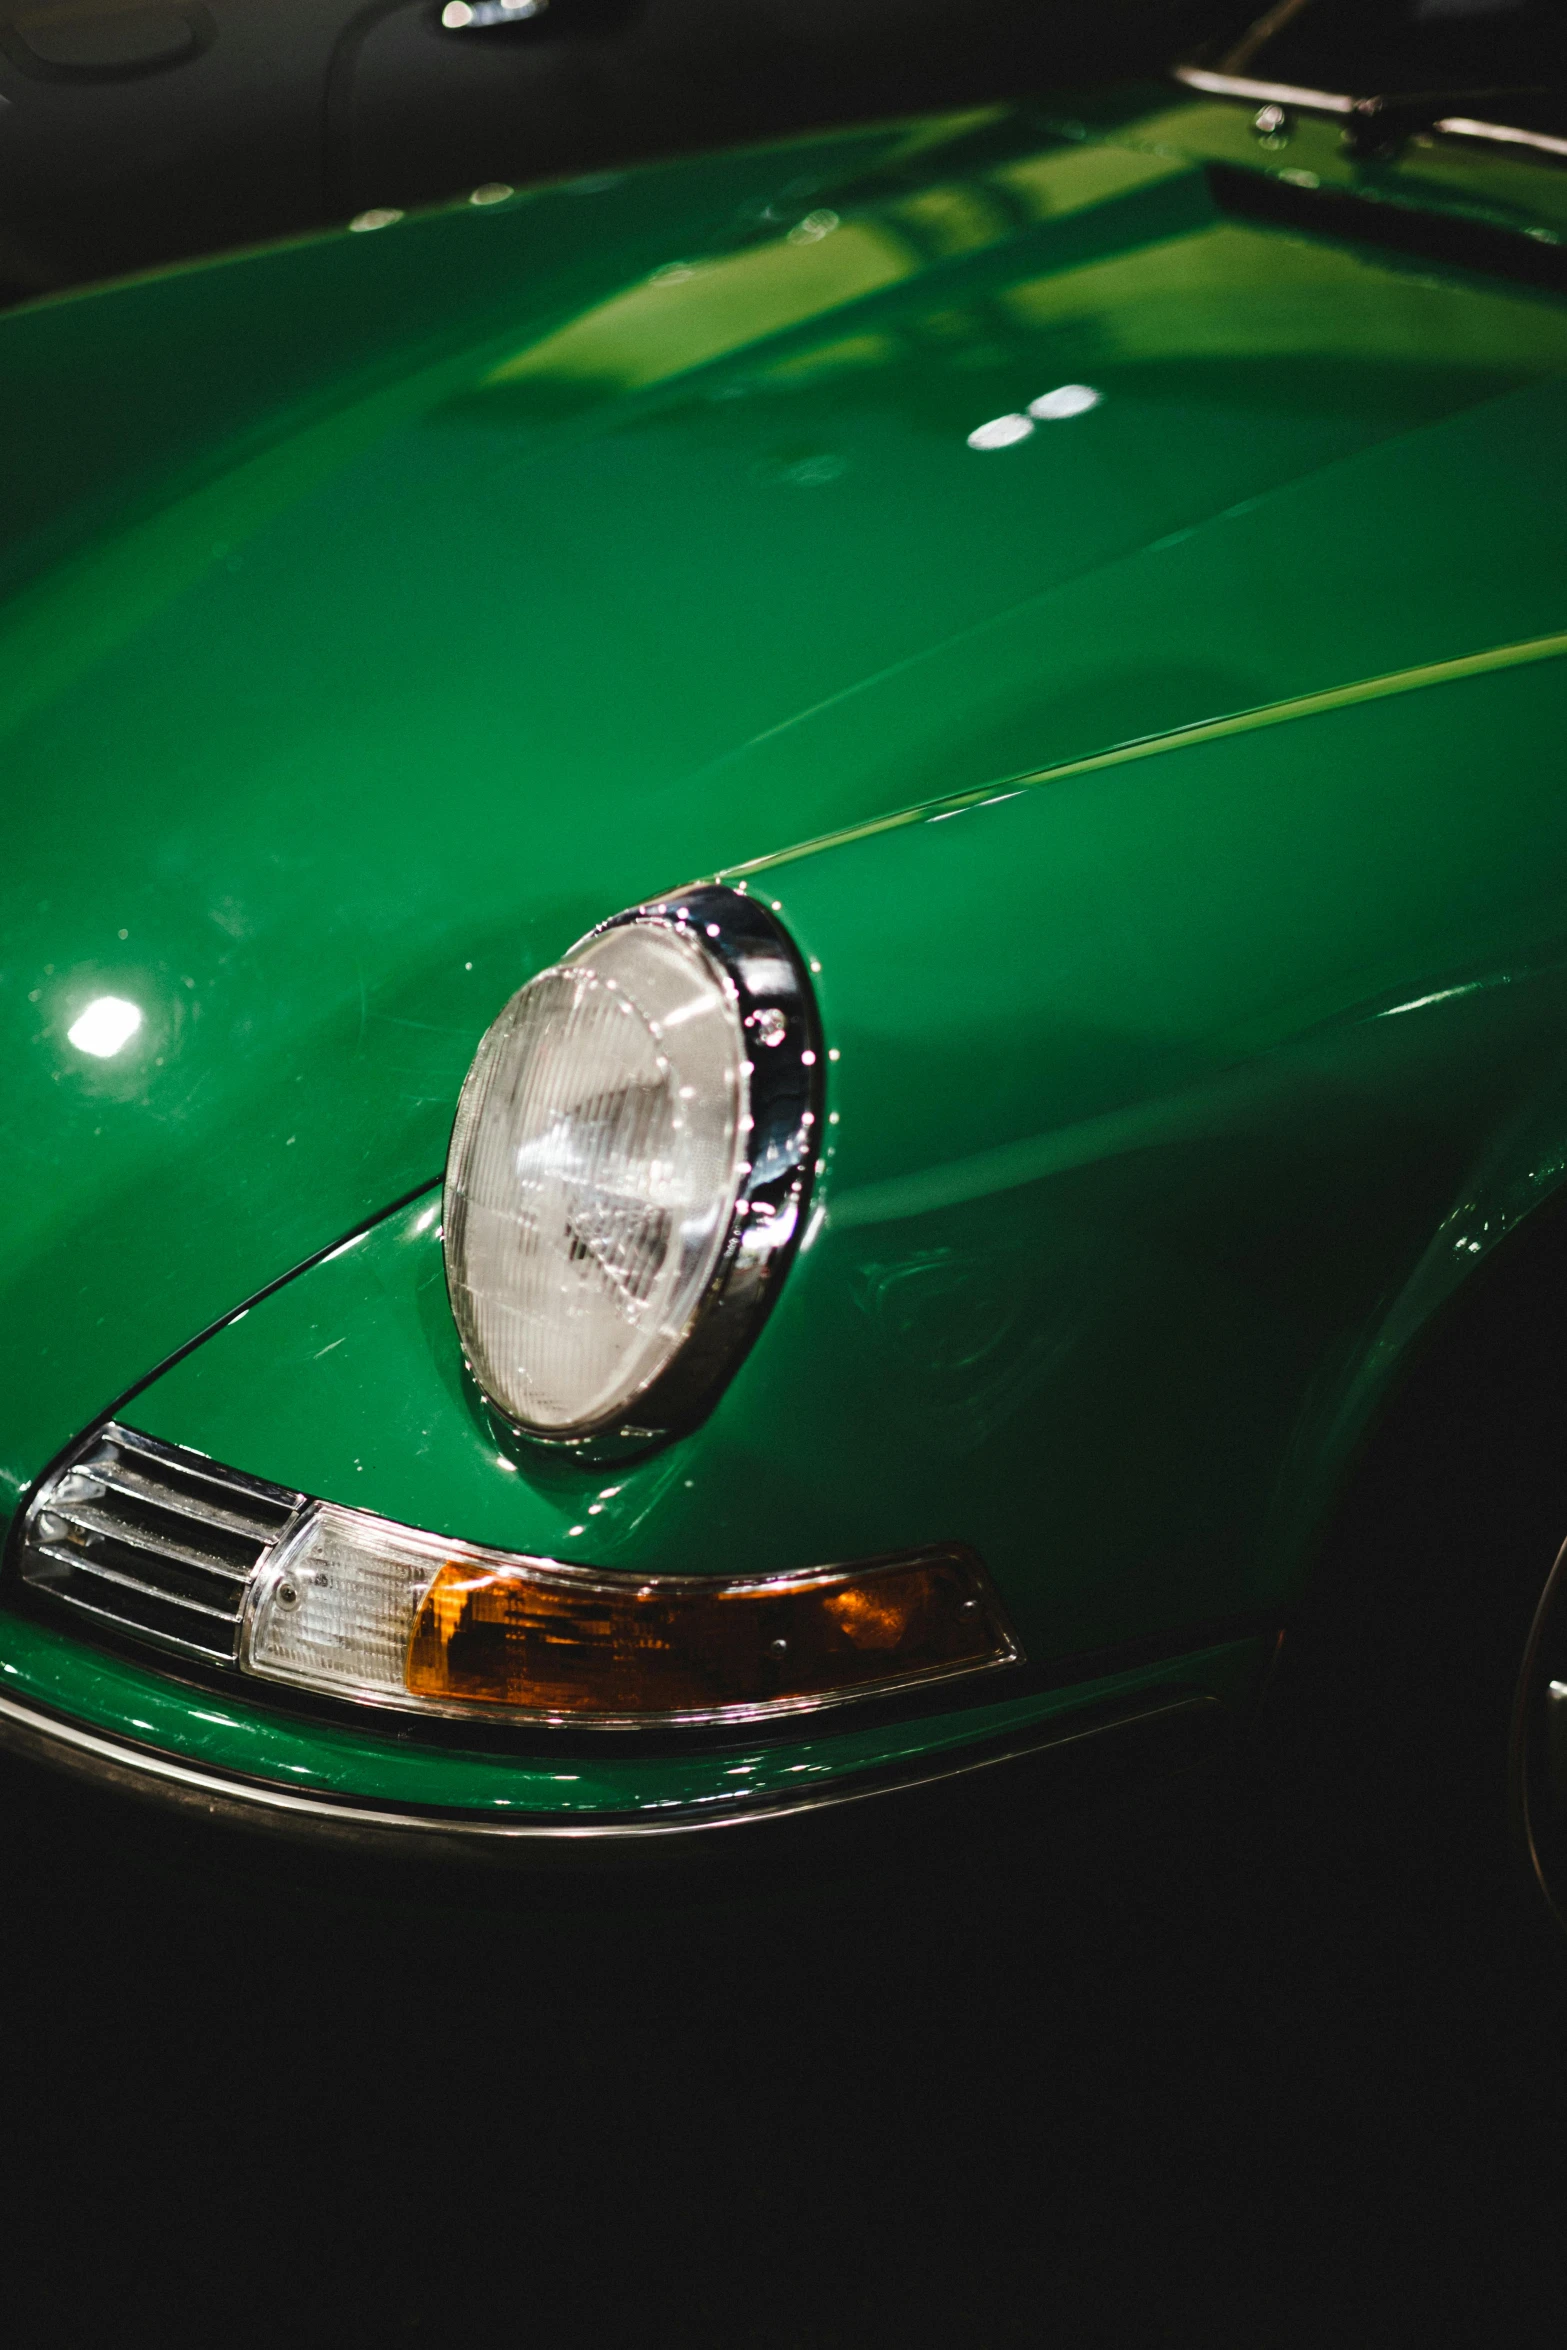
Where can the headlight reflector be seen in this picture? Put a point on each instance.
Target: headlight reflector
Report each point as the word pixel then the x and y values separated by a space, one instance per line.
pixel 607 1182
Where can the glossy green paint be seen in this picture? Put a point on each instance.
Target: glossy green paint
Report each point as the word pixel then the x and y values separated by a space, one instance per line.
pixel 1103 1230
pixel 1175 1087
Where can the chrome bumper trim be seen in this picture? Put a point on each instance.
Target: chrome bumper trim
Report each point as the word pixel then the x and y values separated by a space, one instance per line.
pixel 1179 1716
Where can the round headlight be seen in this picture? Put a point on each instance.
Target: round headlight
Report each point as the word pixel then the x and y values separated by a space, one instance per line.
pixel 632 1152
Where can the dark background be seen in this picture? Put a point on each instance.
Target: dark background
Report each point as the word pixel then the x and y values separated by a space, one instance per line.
pixel 1214 2075
pixel 1251 2058
pixel 279 116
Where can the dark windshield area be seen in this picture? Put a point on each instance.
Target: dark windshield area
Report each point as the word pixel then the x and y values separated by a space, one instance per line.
pixel 138 132
pixel 1382 47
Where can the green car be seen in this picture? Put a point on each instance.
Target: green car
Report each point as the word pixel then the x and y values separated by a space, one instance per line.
pixel 774 932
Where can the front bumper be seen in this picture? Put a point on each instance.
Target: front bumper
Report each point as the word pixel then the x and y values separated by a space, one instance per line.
pixel 109 1721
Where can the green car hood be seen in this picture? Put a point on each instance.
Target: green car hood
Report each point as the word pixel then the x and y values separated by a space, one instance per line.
pixel 385 610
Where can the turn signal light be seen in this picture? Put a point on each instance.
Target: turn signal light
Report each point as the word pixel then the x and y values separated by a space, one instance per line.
pixel 365 1609
pixel 585 1647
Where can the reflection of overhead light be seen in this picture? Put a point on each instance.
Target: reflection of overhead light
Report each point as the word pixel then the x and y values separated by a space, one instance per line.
pixel 492 192
pixel 1000 432
pixel 811 472
pixel 812 229
pixel 458 15
pixel 380 216
pixel 722 306
pixel 108 1023
pixel 1065 400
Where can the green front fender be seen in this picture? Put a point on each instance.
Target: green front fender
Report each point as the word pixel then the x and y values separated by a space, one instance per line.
pixel 1168 1095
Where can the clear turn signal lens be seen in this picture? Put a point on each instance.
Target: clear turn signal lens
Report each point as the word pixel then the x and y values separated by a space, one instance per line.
pixel 354 1605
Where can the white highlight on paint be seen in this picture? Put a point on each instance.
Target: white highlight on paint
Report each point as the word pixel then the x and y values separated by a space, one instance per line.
pixel 1066 400
pixel 1000 432
pixel 108 1023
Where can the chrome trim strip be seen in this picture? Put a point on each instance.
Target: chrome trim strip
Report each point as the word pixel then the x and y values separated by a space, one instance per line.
pixel 79 1495
pixel 110 1761
pixel 197 1465
pixel 1461 126
pixel 110 1529
pixel 1234 85
pixel 132 1631
pixel 177 1505
pixel 1452 126
pixel 80 1564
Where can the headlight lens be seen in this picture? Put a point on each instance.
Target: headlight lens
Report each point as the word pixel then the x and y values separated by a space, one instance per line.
pixel 603 1186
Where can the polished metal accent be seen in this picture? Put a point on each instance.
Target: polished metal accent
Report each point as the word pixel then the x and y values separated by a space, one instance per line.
pixel 767 978
pixel 1275 100
pixel 1236 85
pixel 462 16
pixel 1556 1743
pixel 1180 1718
pixel 1501 134
pixel 154 1541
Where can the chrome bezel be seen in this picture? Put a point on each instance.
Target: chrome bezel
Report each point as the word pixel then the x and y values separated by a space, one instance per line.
pixel 765 974
pixel 1262 93
pixel 119 1461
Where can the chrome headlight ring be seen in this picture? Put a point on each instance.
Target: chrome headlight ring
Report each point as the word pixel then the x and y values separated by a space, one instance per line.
pixel 756 1001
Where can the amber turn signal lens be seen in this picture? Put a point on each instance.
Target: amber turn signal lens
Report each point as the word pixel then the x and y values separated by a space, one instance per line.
pixel 572 1644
